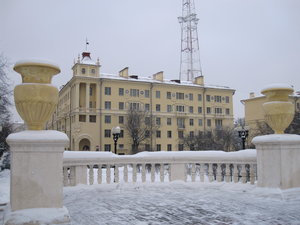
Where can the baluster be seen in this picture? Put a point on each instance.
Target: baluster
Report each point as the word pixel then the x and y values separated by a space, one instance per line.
pixel 235 173
pixel 65 176
pixel 91 174
pixel 219 172
pixel 116 174
pixel 162 175
pixel 125 173
pixel 143 172
pixel 134 173
pixel 169 171
pixel 227 173
pixel 201 172
pixel 244 174
pixel 99 174
pixel 152 172
pixel 72 176
pixel 193 172
pixel 108 174
pixel 210 172
pixel 252 177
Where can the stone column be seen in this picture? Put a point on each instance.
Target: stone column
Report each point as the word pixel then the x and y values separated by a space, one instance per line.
pixel 77 90
pixel 87 96
pixel 36 176
pixel 278 158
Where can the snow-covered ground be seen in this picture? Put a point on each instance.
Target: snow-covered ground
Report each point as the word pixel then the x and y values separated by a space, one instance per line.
pixel 176 203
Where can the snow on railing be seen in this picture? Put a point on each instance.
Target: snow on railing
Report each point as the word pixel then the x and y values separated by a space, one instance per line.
pixel 106 167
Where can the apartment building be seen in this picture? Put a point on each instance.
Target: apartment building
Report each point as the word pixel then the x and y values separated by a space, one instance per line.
pixel 91 104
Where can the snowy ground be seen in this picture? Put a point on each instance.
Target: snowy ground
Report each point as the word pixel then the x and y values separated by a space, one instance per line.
pixel 176 203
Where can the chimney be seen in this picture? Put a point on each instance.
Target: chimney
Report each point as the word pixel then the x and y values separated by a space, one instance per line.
pixel 159 76
pixel 199 80
pixel 251 95
pixel 124 72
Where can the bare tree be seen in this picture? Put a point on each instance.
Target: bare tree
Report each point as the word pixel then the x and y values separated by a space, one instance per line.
pixel 140 125
pixel 5 103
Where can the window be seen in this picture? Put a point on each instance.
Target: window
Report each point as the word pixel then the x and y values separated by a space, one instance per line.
pixel 121 119
pixel 121 146
pixel 147 93
pixel 179 108
pixel 83 70
pixel 191 97
pixel 169 134
pixel 147 147
pixel 107 133
pixel 180 122
pixel 227 99
pixel 121 105
pixel 91 104
pixel 107 148
pixel 134 92
pixel 218 110
pixel 227 111
pixel 158 147
pixel 121 134
pixel 158 133
pixel 179 95
pixel 157 94
pixel 82 118
pixel 218 98
pixel 191 122
pixel 218 123
pixel 107 91
pixel 169 108
pixel 91 91
pixel 93 119
pixel 209 122
pixel 107 105
pixel 134 106
pixel 180 147
pixel 147 107
pixel 191 133
pixel 208 98
pixel 208 110
pixel 121 91
pixel 169 95
pixel 158 121
pixel 107 119
pixel 147 120
pixel 200 123
pixel 157 107
pixel 298 105
pixel 199 110
pixel 169 121
pixel 180 134
pixel 93 71
pixel 147 133
pixel 191 109
pixel 169 147
pixel 199 97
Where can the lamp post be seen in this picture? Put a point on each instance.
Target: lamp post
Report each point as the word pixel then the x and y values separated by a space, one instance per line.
pixel 243 134
pixel 116 134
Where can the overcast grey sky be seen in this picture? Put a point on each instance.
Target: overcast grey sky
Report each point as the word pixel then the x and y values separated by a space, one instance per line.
pixel 243 44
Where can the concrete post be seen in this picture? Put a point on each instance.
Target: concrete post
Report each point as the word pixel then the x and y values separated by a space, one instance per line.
pixel 36 176
pixel 278 160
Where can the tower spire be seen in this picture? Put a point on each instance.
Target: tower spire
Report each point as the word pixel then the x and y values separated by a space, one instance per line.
pixel 190 66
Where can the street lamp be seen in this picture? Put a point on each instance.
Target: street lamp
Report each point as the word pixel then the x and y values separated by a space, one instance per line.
pixel 243 134
pixel 116 134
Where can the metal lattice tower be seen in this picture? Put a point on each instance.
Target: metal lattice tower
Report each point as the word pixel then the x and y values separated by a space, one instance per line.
pixel 190 66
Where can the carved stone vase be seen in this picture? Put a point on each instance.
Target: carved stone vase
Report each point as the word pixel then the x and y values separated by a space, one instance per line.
pixel 279 112
pixel 36 98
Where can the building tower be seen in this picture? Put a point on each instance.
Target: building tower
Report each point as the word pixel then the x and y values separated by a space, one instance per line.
pixel 190 66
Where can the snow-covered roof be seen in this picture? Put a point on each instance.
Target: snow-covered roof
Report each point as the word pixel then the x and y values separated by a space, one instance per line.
pixel 87 60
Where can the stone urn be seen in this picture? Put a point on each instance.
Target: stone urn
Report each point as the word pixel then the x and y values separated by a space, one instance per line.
pixel 279 112
pixel 36 98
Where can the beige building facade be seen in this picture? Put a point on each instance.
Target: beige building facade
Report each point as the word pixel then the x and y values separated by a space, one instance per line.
pixel 91 104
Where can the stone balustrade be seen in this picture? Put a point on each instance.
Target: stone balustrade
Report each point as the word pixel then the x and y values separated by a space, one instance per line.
pixel 200 166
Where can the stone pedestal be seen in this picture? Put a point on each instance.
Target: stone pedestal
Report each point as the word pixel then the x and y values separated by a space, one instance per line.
pixel 278 160
pixel 177 171
pixel 36 174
